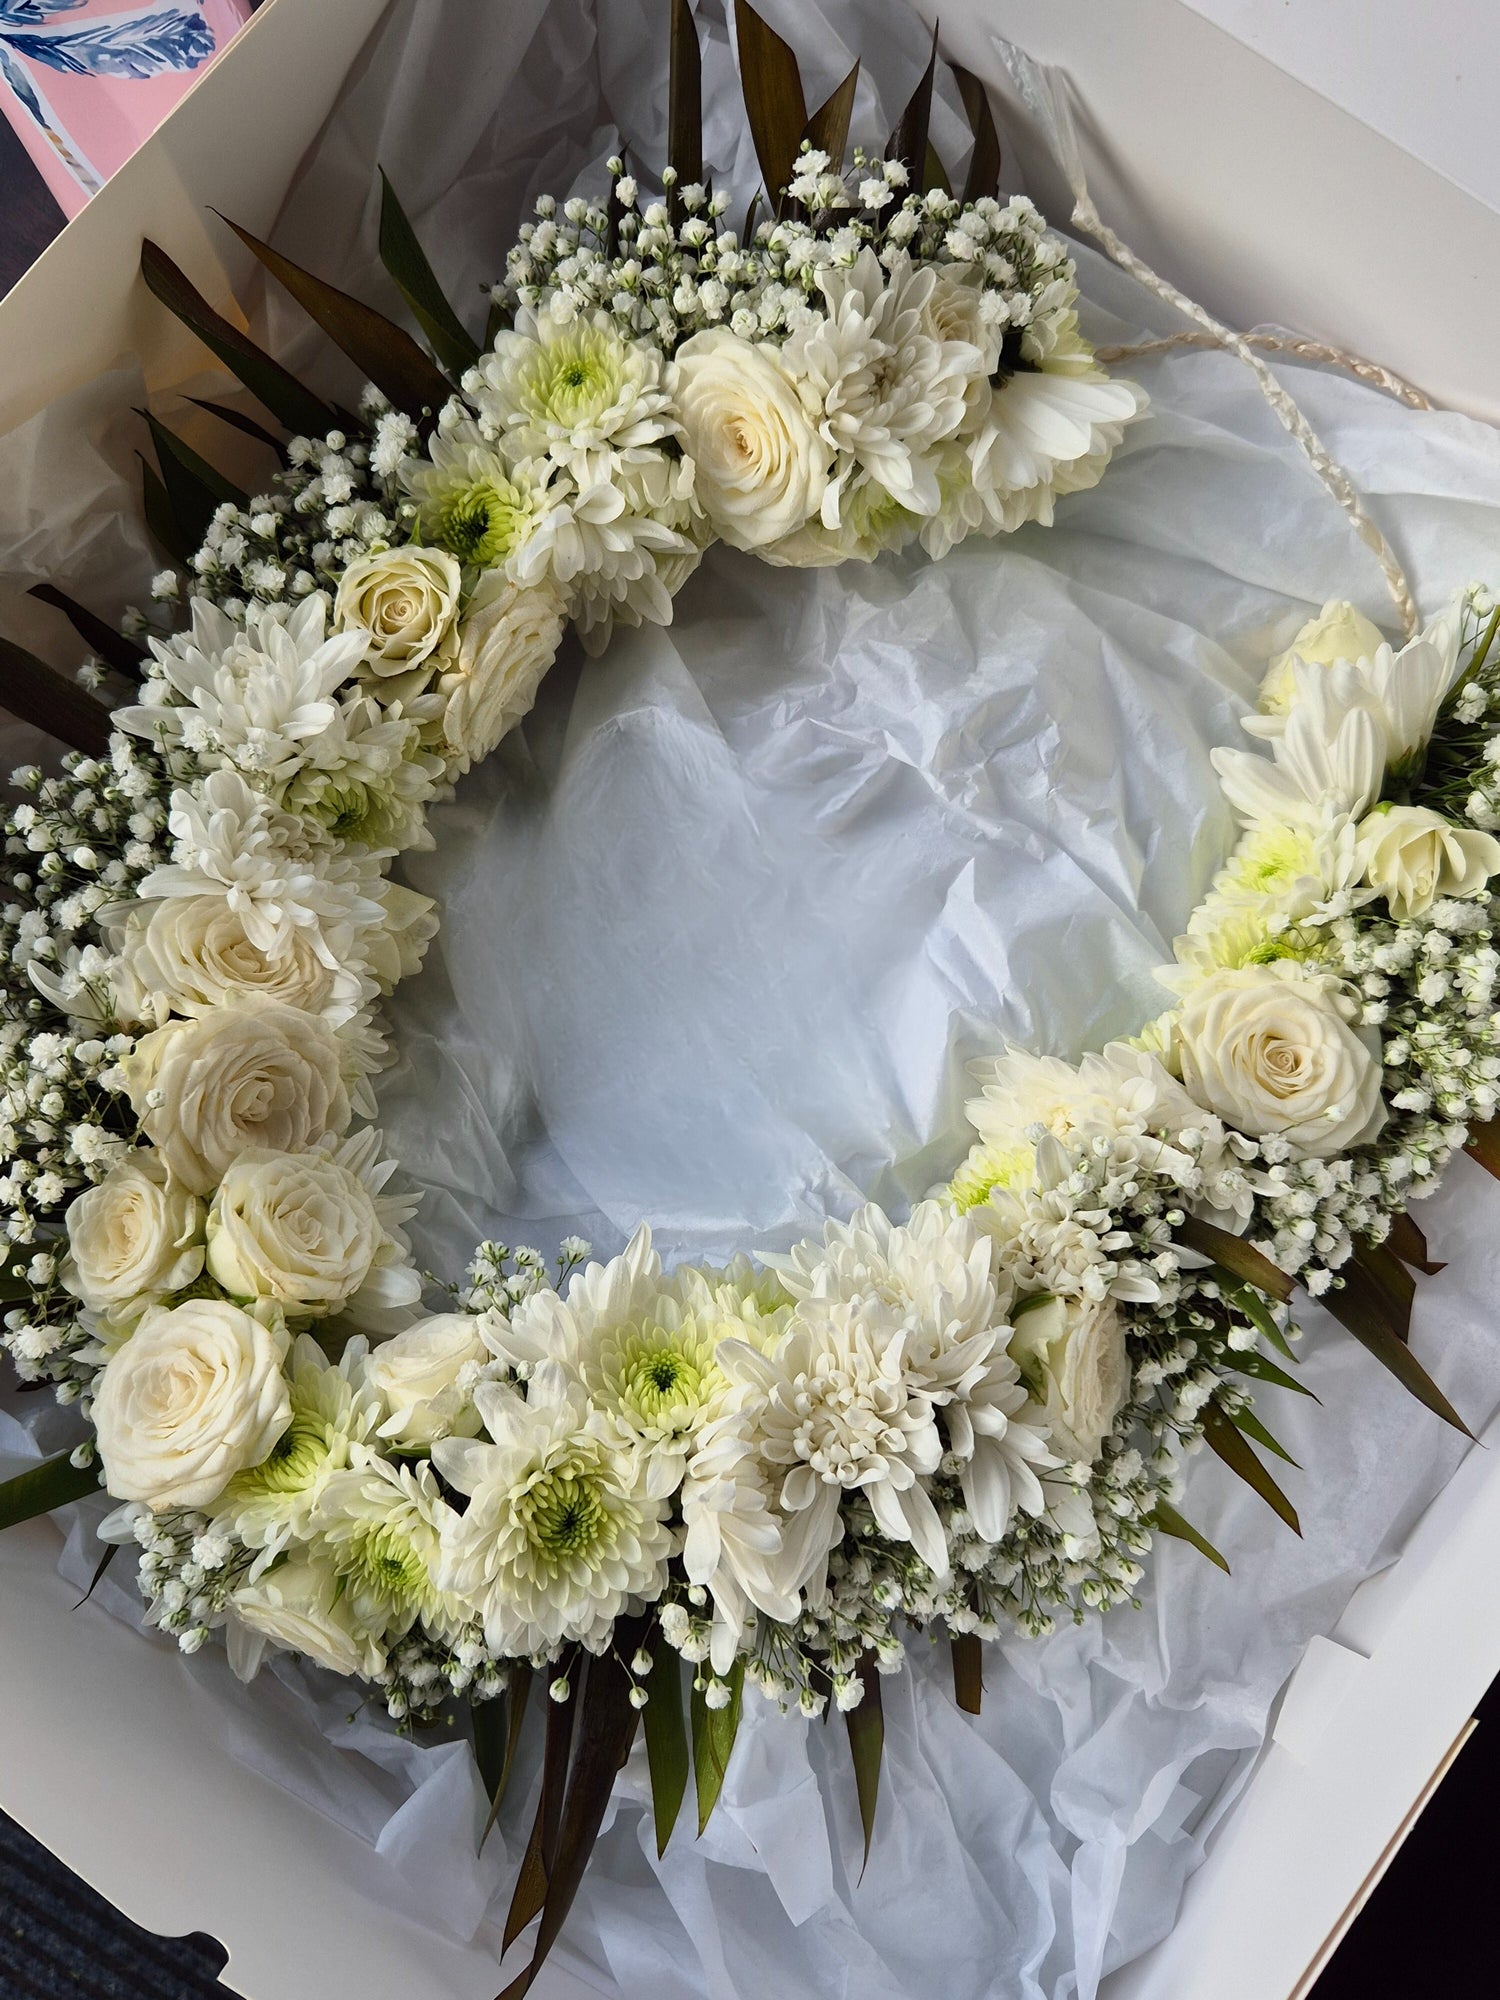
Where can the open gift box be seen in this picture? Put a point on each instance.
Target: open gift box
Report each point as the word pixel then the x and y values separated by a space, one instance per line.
pixel 104 1737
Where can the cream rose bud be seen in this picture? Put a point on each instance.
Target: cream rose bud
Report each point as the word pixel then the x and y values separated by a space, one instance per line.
pixel 425 1378
pixel 192 953
pixel 1273 1051
pixel 407 600
pixel 395 948
pixel 1412 856
pixel 1072 1353
pixel 302 1607
pixel 761 468
pixel 1339 632
pixel 508 639
pixel 206 1089
pixel 132 1237
pixel 296 1228
pixel 194 1396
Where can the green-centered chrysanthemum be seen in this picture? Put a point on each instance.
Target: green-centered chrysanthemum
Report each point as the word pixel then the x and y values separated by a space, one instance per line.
pixel 471 501
pixel 382 1526
pixel 272 1504
pixel 579 394
pixel 988 1168
pixel 1272 861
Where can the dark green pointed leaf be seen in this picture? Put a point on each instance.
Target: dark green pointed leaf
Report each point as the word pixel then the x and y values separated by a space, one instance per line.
pixel 1410 1245
pixel 1251 1426
pixel 51 700
pixel 489 1722
pixel 1241 1259
pixel 666 1738
pixel 1484 1145
pixel 1259 1314
pixel 97 634
pixel 517 1695
pixel 160 519
pixel 1264 1369
pixel 41 1489
pixel 1380 1265
pixel 271 384
pixel 714 1731
pixel 1362 1309
pixel 497 319
pixel 406 261
pixel 111 1550
pixel 1167 1519
pixel 684 104
pixel 194 488
pixel 934 173
pixel 774 100
pixel 908 143
pixel 828 128
pixel 606 1730
pixel 385 353
pixel 867 1747
pixel 530 1893
pixel 968 1671
pixel 984 162
pixel 1222 1438
pixel 227 414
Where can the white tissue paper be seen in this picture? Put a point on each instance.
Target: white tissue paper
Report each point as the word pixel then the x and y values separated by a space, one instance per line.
pixel 724 923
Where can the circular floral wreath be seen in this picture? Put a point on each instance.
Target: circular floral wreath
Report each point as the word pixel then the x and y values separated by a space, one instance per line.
pixel 973 1416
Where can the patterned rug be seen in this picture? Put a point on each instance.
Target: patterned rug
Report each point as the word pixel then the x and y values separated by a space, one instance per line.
pixel 59 1941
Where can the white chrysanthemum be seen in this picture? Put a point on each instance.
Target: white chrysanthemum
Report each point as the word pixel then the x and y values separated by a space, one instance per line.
pixel 1403 691
pixel 229 841
pixel 643 1347
pixel 883 388
pixel 747 1554
pixel 382 1525
pixel 560 1533
pixel 1292 867
pixel 473 499
pixel 332 1413
pixel 1003 1444
pixel 836 1408
pixel 1329 755
pixel 366 778
pixel 575 392
pixel 607 557
pixel 254 695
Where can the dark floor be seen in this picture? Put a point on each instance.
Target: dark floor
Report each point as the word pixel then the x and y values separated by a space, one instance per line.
pixel 1426 1931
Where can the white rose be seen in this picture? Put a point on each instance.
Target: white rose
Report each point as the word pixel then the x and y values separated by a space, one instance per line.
pixel 425 1377
pixel 303 1607
pixel 206 1089
pixel 1073 1356
pixel 1413 856
pixel 1339 632
pixel 297 1228
pixel 190 954
pixel 508 639
pixel 194 1396
pixel 1269 1051
pixel 406 600
pixel 132 1237
pixel 761 468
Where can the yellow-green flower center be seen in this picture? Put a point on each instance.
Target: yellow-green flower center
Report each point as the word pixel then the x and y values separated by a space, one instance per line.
pixel 574 381
pixel 481 523
pixel 988 1168
pixel 296 1459
pixel 384 1565
pixel 562 1515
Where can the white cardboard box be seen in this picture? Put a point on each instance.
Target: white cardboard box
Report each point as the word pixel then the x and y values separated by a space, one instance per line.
pixel 1267 202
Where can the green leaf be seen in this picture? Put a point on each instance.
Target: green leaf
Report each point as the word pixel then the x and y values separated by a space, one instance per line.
pixel 774 100
pixel 1410 1245
pixel 488 1720
pixel 828 128
pixel 530 1894
pixel 41 1489
pixel 866 1726
pixel 497 319
pixel 385 353
pixel 1237 1256
pixel 968 1671
pixel 1222 1438
pixel 908 143
pixel 606 1730
pixel 1484 1146
pixel 227 414
pixel 1259 1314
pixel 1265 1370
pixel 1383 1269
pixel 52 700
pixel 406 261
pixel 194 488
pixel 714 1731
pixel 684 104
pixel 934 173
pixel 516 1697
pixel 159 516
pixel 666 1738
pixel 111 1550
pixel 1247 1422
pixel 984 162
pixel 1362 1309
pixel 1167 1519
pixel 101 638
pixel 271 384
